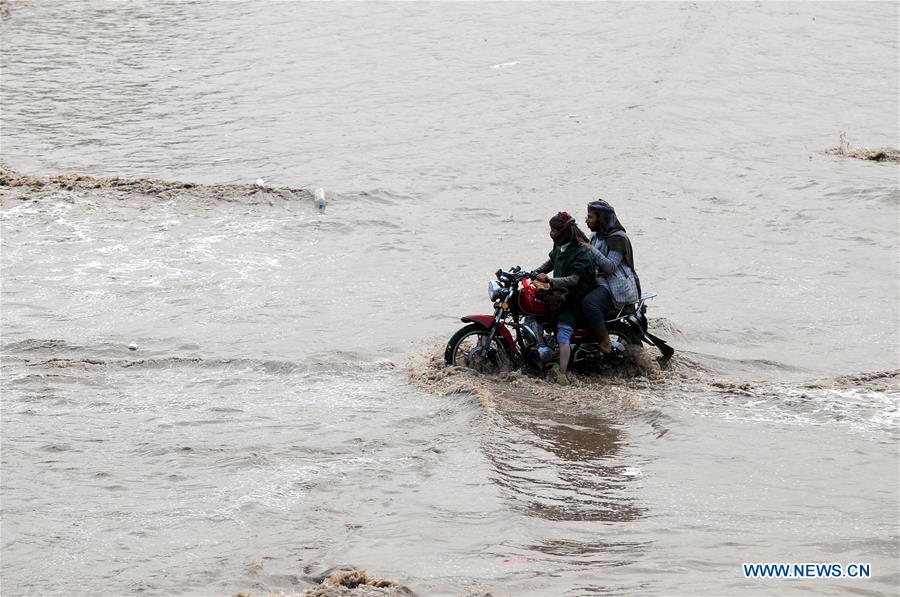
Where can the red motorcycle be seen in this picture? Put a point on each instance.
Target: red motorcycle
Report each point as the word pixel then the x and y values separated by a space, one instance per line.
pixel 522 333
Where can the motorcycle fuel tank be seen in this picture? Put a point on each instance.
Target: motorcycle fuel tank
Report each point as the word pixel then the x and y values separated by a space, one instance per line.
pixel 528 301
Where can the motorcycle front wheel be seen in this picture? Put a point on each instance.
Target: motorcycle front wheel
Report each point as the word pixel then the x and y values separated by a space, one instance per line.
pixel 468 348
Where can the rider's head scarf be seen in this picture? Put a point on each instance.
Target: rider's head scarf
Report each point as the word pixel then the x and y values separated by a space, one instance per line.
pixel 561 221
pixel 565 230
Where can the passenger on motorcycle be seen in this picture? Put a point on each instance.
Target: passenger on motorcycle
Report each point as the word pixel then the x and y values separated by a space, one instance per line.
pixel 617 282
pixel 573 269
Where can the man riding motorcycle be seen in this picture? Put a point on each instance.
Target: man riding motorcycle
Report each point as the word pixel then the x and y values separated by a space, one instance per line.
pixel 520 332
pixel 573 269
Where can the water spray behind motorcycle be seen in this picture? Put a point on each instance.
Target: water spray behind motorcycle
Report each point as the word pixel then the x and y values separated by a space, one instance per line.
pixel 521 333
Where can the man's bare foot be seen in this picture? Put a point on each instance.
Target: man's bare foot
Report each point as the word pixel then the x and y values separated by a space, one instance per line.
pixel 611 347
pixel 554 375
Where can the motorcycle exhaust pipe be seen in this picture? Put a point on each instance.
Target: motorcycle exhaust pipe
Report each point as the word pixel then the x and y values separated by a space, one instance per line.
pixel 547 354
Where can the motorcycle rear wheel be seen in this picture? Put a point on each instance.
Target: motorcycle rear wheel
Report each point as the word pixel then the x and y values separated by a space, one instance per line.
pixel 467 349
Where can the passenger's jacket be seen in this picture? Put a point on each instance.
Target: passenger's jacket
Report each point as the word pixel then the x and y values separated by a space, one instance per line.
pixel 613 271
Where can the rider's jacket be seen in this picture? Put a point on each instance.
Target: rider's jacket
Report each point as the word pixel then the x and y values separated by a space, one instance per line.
pixel 573 268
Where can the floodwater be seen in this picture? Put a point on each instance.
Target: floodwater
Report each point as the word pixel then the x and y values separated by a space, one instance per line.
pixel 281 412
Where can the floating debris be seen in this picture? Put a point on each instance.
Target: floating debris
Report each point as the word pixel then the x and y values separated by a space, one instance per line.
pixel 343 581
pixel 320 199
pixel 878 154
pixel 632 471
pixel 27 186
pixel 355 583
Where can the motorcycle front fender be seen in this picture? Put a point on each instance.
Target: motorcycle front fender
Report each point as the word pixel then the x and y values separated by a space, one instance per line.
pixel 487 321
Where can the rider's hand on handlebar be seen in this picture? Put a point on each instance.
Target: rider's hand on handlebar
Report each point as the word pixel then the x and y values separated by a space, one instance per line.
pixel 542 278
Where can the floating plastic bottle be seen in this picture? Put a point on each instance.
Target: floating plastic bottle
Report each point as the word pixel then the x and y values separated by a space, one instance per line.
pixel 320 199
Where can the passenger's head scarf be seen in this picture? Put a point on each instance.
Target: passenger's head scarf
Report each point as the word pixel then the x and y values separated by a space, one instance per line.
pixel 611 230
pixel 606 216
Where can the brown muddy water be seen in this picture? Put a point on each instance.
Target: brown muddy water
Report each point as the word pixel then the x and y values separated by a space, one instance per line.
pixel 216 388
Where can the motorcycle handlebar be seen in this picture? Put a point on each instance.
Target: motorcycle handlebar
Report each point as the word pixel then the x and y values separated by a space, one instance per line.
pixel 516 274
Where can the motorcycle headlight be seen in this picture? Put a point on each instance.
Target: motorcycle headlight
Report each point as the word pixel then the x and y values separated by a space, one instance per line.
pixel 494 290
